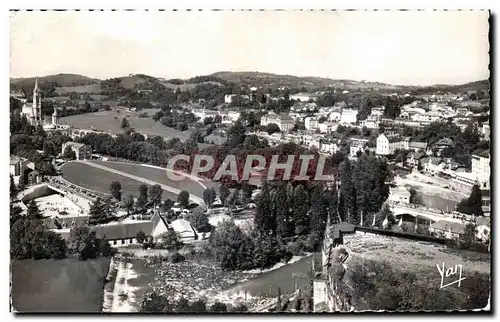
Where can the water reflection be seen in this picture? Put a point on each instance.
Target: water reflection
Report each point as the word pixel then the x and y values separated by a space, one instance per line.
pixel 58 285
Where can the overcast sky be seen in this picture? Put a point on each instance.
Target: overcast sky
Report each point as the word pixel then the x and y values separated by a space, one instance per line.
pixel 416 47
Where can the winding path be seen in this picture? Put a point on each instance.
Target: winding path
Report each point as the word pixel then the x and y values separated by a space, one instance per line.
pixel 193 198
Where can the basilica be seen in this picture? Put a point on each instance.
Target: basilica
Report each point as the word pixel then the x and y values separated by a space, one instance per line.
pixel 33 111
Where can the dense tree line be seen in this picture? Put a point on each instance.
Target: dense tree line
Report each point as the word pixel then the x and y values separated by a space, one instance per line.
pixel 363 189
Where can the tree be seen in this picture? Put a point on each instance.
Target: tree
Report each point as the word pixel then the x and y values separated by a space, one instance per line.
pixel 415 197
pixel 141 236
pixel 218 307
pixel 33 212
pixel 155 303
pixel 347 193
pixel 99 212
pixel 171 239
pixel 265 220
pixel 155 194
pixel 300 207
pixel 183 198
pixel 69 154
pixel 198 306
pixel 224 192
pixel 475 201
pixel 182 305
pixel 13 188
pixel 166 205
pixel 125 124
pixel 128 202
pixel 272 128
pixel 84 244
pixel 143 196
pixel 200 222
pixel 30 239
pixel 116 190
pixel 469 236
pixel 209 196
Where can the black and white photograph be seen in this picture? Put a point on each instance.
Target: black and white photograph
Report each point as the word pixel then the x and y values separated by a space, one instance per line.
pixel 250 161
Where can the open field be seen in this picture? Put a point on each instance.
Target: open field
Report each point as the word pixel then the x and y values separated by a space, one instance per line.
pixel 99 180
pixel 111 121
pixel 92 88
pixel 185 87
pixel 155 174
pixel 58 285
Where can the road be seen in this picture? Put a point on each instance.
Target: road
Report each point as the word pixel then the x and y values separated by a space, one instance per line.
pixel 193 198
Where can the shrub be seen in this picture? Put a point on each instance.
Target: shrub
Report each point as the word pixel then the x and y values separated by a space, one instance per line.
pixel 176 258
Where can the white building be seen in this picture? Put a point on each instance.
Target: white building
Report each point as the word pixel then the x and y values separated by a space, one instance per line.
pixel 330 147
pixel 377 112
pixel 371 123
pixel 303 97
pixel 481 167
pixel 228 98
pixel 311 123
pixel 387 144
pixel 349 116
pixel 204 114
pixel 335 114
pixel 184 229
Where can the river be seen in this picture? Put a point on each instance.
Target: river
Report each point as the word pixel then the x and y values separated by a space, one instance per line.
pixel 136 278
pixel 53 286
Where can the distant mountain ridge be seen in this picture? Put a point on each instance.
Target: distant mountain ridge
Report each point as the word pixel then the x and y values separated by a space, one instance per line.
pixel 57 80
pixel 258 79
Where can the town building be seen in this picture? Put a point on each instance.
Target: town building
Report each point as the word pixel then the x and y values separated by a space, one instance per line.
pixel 184 229
pixel 303 97
pixel 335 114
pixel 357 145
pixel 442 144
pixel 311 123
pixel 82 151
pixel 387 144
pixel 284 122
pixel 485 131
pixel 417 146
pixel 481 167
pixel 413 158
pixel 432 165
pixel 17 168
pixel 447 229
pixel 349 116
pixel 371 123
pixel 483 229
pixel 399 195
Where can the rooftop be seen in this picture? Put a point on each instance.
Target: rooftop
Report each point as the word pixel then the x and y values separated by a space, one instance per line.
pixel 447 225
